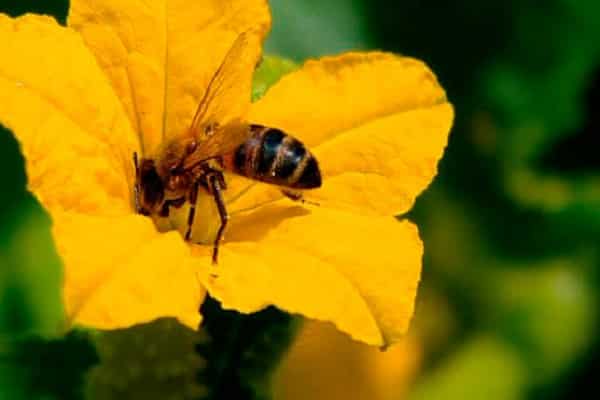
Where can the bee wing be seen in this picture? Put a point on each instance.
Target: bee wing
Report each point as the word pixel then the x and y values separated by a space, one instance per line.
pixel 221 102
pixel 224 141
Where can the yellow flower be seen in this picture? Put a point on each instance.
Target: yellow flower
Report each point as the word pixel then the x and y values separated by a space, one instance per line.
pixel 347 370
pixel 125 75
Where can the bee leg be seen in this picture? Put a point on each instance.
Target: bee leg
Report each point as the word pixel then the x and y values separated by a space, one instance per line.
pixel 217 184
pixel 193 198
pixel 165 210
pixel 297 196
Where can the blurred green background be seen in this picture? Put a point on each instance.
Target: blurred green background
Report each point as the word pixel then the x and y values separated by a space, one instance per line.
pixel 508 307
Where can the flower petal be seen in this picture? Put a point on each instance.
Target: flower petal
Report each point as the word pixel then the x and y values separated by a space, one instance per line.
pixel 78 145
pixel 71 127
pixel 378 123
pixel 325 264
pixel 371 169
pixel 119 272
pixel 160 55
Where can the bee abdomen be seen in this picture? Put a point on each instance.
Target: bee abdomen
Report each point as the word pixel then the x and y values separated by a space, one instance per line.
pixel 272 156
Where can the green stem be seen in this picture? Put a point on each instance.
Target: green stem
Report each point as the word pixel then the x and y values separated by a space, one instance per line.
pixel 243 350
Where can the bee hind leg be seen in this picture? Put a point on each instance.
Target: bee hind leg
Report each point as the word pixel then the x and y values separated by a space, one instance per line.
pixel 216 183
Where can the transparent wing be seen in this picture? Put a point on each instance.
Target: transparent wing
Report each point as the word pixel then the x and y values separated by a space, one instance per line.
pixel 228 94
pixel 223 141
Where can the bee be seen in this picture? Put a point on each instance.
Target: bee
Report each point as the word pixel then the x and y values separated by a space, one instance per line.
pixel 196 159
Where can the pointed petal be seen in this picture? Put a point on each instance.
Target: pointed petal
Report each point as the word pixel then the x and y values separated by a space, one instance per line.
pixel 382 166
pixel 120 272
pixel 78 145
pixel 324 264
pixel 377 122
pixel 160 55
pixel 71 127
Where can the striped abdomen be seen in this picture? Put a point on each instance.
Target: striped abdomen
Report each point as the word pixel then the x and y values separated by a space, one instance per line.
pixel 272 156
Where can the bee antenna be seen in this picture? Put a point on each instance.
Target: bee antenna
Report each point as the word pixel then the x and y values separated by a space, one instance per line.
pixel 136 186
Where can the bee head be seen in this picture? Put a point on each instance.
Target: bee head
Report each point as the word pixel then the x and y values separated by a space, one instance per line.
pixel 149 188
pixel 175 178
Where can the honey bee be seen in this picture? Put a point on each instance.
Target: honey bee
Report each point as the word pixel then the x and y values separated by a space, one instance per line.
pixel 196 159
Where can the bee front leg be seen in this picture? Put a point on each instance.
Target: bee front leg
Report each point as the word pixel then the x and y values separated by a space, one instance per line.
pixel 216 182
pixel 190 222
pixel 165 211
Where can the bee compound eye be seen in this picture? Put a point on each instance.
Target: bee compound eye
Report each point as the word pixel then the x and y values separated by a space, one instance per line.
pixel 174 169
pixel 210 128
pixel 191 147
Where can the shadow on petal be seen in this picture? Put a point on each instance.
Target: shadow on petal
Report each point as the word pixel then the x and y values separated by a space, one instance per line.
pixel 255 225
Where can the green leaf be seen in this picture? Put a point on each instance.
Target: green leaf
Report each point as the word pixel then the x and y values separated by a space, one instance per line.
pixel 482 368
pixel 31 273
pixel 150 361
pixel 535 91
pixel 548 312
pixel 310 28
pixel 270 70
pixel 35 368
